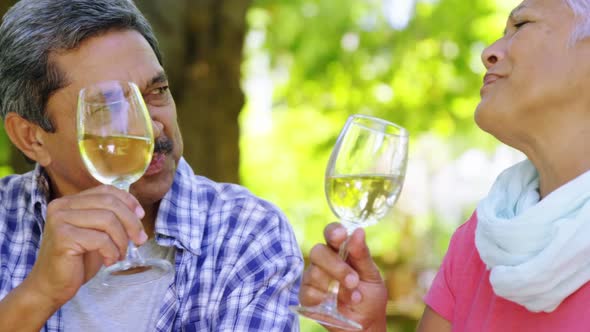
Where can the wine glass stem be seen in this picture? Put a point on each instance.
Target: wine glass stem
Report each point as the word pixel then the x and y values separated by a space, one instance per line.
pixel 122 185
pixel 331 300
pixel 132 254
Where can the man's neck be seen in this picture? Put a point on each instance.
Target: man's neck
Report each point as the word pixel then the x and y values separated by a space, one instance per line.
pixel 149 220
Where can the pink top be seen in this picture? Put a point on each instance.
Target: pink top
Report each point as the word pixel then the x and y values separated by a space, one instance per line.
pixel 461 293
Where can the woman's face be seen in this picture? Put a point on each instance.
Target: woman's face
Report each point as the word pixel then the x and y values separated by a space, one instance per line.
pixel 537 77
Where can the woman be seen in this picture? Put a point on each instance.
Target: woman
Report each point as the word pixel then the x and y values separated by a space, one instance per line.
pixel 522 261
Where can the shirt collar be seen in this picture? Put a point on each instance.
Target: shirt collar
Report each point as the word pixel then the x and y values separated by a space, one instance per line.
pixel 40 192
pixel 182 213
pixel 180 221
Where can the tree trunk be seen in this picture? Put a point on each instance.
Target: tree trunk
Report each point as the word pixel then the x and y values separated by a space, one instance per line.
pixel 202 42
pixel 4 5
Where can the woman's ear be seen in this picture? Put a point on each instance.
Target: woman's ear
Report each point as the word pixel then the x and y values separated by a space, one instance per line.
pixel 28 138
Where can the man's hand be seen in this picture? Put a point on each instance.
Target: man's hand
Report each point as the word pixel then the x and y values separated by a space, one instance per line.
pixel 363 295
pixel 82 232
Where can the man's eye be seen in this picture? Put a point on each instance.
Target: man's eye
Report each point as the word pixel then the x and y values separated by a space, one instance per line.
pixel 158 96
pixel 160 91
pixel 520 24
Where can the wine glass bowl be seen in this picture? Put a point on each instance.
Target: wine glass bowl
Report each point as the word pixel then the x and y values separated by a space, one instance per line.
pixel 363 179
pixel 365 173
pixel 362 200
pixel 116 142
pixel 116 139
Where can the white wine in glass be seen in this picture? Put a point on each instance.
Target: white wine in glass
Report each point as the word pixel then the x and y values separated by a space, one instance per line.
pixel 363 199
pixel 363 180
pixel 112 159
pixel 116 142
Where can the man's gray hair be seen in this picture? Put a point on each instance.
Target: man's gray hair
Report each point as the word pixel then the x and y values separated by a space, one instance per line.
pixel 581 9
pixel 33 29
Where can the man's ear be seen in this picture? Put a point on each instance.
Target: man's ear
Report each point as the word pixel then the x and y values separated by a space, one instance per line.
pixel 28 138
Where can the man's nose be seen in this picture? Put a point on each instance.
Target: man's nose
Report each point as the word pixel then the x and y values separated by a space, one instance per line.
pixel 158 128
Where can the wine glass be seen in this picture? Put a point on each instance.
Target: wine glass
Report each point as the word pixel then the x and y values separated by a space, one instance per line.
pixel 363 180
pixel 116 141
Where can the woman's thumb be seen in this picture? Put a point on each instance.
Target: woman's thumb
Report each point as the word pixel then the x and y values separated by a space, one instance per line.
pixel 360 258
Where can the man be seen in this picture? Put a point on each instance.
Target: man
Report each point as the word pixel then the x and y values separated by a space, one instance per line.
pixel 236 261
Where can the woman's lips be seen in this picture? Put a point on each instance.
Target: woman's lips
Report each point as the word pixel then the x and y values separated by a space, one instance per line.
pixel 490 78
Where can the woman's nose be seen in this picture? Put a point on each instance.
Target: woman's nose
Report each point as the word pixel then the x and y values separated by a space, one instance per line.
pixel 492 54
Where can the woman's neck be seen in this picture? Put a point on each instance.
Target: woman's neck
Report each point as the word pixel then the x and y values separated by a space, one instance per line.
pixel 558 162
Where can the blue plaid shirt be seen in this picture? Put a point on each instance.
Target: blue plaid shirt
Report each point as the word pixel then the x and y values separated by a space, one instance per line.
pixel 237 260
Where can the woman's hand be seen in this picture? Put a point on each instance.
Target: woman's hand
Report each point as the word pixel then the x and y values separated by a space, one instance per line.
pixel 362 296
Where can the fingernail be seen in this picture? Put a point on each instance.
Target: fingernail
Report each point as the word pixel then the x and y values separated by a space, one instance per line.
pixel 362 232
pixel 351 281
pixel 139 212
pixel 143 237
pixel 356 297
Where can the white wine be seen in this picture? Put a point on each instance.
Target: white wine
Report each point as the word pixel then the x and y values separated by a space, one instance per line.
pixel 362 199
pixel 116 159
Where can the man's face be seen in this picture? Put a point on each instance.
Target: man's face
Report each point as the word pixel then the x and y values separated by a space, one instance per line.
pixel 535 74
pixel 116 55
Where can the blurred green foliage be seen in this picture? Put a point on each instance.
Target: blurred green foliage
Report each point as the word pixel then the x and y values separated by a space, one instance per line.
pixel 311 63
pixel 327 59
pixel 5 168
pixel 343 57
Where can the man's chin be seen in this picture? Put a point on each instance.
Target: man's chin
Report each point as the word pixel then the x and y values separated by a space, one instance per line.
pixel 150 193
pixel 157 165
pixel 154 185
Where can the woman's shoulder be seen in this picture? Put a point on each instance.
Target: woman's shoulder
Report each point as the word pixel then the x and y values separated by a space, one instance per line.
pixel 464 235
pixel 462 264
pixel 459 274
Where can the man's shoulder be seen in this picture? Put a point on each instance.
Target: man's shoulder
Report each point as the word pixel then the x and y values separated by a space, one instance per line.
pixel 15 207
pixel 234 211
pixel 224 196
pixel 253 232
pixel 227 210
pixel 15 190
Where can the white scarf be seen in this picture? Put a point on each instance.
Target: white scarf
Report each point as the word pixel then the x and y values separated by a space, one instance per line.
pixel 538 251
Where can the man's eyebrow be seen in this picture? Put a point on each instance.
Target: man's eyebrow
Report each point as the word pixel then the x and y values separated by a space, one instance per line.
pixel 158 78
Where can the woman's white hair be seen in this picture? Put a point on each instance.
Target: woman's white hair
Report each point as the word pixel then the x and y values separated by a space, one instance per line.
pixel 581 9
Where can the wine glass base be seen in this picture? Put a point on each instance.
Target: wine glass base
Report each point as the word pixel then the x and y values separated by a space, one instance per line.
pixel 326 316
pixel 127 273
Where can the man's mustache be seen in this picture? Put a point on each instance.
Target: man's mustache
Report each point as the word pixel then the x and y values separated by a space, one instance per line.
pixel 163 145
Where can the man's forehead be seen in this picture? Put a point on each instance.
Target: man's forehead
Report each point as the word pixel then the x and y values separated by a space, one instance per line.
pixel 123 56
